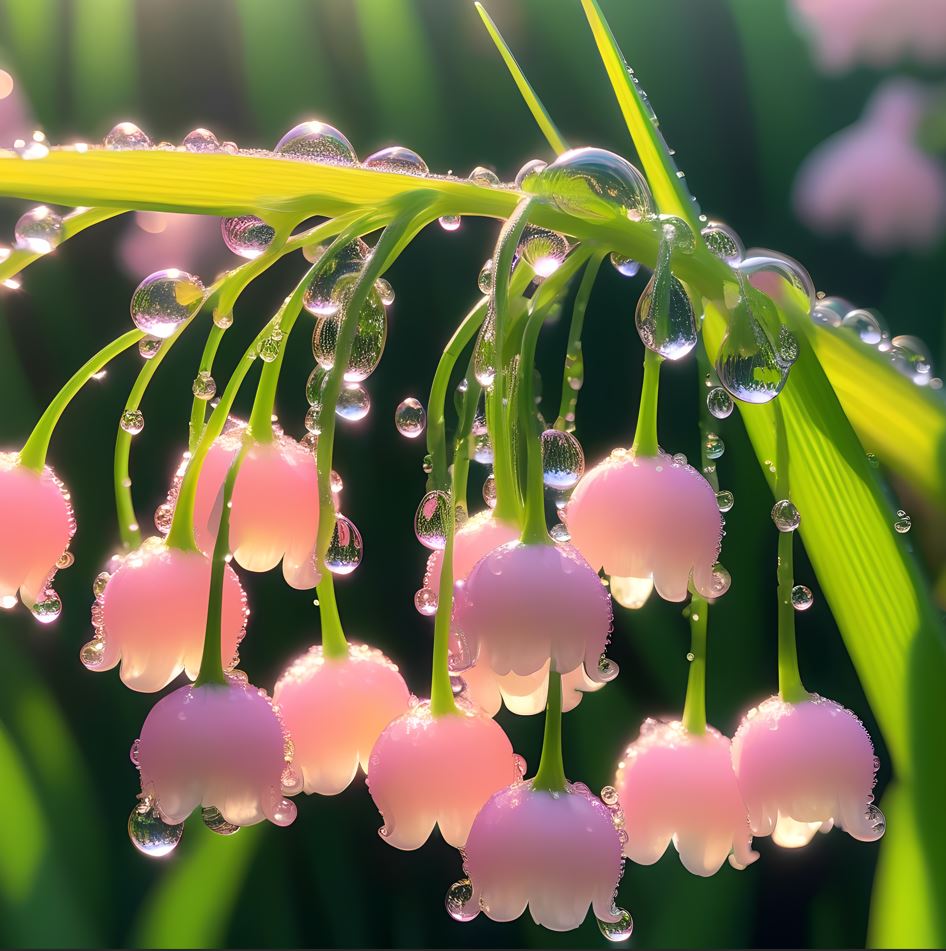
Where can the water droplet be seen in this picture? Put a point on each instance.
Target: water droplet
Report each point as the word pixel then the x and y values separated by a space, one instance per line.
pixel 713 446
pixel 148 347
pixel 619 930
pixel 132 421
pixel 773 273
pixel 593 182
pixel 559 532
pixel 47 608
pixel 222 320
pixel 164 300
pixel 563 461
pixel 691 656
pixel 459 901
pixel 320 298
pixel 786 517
pixel 432 519
pixel 627 267
pixel 543 250
pixel 484 352
pixel 92 654
pixel 802 598
pixel 607 669
pixel 609 796
pixel 335 482
pixel 426 600
pixel 723 242
pixel 724 500
pixel 201 140
pixel 786 349
pixel 830 311
pixel 875 818
pixel 126 135
pixel 101 580
pixel 410 417
pixel 134 754
pixel 397 159
pixel 449 222
pixel 163 516
pixel 353 403
pixel 247 235
pixel 867 324
pixel 746 362
pixel 38 230
pixel 903 523
pixel 719 402
pixel 313 386
pixel 150 834
pixel 204 386
pixel 269 346
pixel 489 491
pixel 216 823
pixel 872 460
pixel 631 593
pixel 720 583
pixel 484 176
pixel 316 142
pixel 345 549
pixel 673 331
pixel 484 281
pixel 912 358
pixel 371 333
pixel 384 290
pixel 526 175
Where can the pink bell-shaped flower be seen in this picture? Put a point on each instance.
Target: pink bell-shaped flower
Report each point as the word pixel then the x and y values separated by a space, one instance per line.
pixel 36 526
pixel 150 615
pixel 275 507
pixel 648 517
pixel 557 853
pixel 428 770
pixel 335 709
pixel 804 767
pixel 523 604
pixel 220 746
pixel 677 786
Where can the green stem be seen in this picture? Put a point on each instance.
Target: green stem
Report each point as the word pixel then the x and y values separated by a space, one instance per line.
pixel 645 439
pixel 334 644
pixel 550 775
pixel 790 686
pixel 534 529
pixel 199 407
pixel 507 507
pixel 33 453
pixel 574 371
pixel 694 709
pixel 211 665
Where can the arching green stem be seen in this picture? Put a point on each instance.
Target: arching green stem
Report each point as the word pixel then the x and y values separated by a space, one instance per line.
pixel 534 528
pixel 211 666
pixel 550 775
pixel 694 708
pixel 790 686
pixel 33 453
pixel 645 438
pixel 334 643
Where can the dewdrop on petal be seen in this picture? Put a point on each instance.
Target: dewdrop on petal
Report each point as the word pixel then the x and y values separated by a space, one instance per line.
pixel 648 518
pixel 804 767
pixel 335 709
pixel 676 786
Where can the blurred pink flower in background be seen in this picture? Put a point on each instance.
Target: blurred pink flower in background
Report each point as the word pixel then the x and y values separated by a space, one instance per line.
pixel 873 179
pixel 878 32
pixel 16 117
pixel 154 240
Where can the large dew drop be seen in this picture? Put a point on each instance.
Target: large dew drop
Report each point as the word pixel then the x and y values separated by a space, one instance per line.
pixel 410 418
pixel 593 182
pixel 619 930
pixel 39 230
pixel 316 142
pixel 786 517
pixel 126 135
pixel 132 421
pixel 353 403
pixel 432 520
pixel 214 821
pixel 563 460
pixel 371 334
pixel 669 329
pixel 484 352
pixel 774 273
pixel 164 300
pixel 723 242
pixel 345 549
pixel 246 235
pixel 397 159
pixel 746 363
pixel 866 324
pixel 719 402
pixel 150 834
pixel 320 298
pixel 626 267
pixel 201 140
pixel 543 250
pixel 459 901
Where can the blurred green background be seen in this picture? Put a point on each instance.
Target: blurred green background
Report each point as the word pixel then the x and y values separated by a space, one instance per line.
pixel 740 100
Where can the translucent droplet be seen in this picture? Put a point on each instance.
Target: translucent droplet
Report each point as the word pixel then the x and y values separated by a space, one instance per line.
pixel 204 386
pixel 594 182
pixel 830 311
pixel 677 232
pixel 713 446
pixel 543 250
pixel 201 140
pixel 148 347
pixel 164 300
pixel 719 402
pixel 126 135
pixel 563 461
pixel 216 823
pixel 385 291
pixel 607 669
pixel 802 598
pixel 354 403
pixel 92 654
pixel 773 273
pixel 313 386
pixel 410 417
pixel 449 222
pixel 627 267
pixel 484 352
pixel 316 142
pixel 335 482
pixel 619 930
pixel 246 235
pixel 721 581
pixel 425 600
pixel 38 230
pixel 371 333
pixel 432 520
pixel 163 516
pixel 482 445
pixel 485 279
pixel 319 297
pixel 911 356
pixel 609 796
pixel 631 593
pixel 724 500
pixel 459 901
pixel 269 346
pixel 48 608
pixel 876 820
pixel 345 549
pixel 903 523
pixel 746 362
pixel 672 332
pixel 723 242
pixel 786 347
pixel 786 517
pixel 134 754
pixel 101 580
pixel 489 491
pixel 484 176
pixel 397 159
pixel 132 421
pixel 150 834
pixel 526 175
pixel 691 656
pixel 866 324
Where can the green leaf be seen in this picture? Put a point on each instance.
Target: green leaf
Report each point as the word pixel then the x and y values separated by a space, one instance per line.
pixel 539 112
pixel 670 192
pixel 891 628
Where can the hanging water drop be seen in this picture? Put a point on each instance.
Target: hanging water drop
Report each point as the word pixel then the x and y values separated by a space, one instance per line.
pixel 619 930
pixel 214 821
pixel 713 446
pixel 410 417
pixel 802 598
pixel 449 222
pixel 164 300
pixel 724 500
pixel 786 517
pixel 246 235
pixel 204 386
pixel 432 519
pixel 543 250
pixel 319 297
pixel 345 549
pixel 723 242
pixel 148 347
pixel 48 608
pixel 876 820
pixel 132 421
pixel 671 331
pixel 719 402
pixel 385 291
pixel 903 523
pixel 371 332
pixel 489 491
pixel 484 280
pixel 720 583
pixel 39 230
pixel 126 135
pixel 626 267
pixel 746 363
pixel 354 403
pixel 92 655
pixel 269 346
pixel 459 901
pixel 150 834
pixel 425 600
pixel 773 273
pixel 563 460
pixel 484 352
pixel 482 445
pixel 316 142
